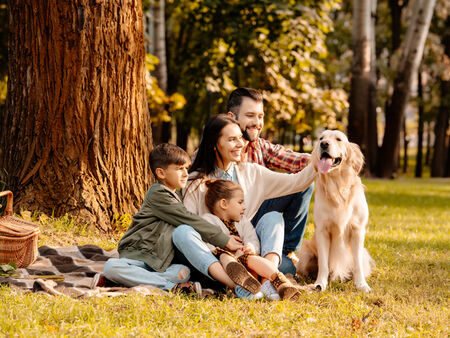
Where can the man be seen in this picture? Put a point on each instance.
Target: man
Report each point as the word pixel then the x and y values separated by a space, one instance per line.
pixel 246 106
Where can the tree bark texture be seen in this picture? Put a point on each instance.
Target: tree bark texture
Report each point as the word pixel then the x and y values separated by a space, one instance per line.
pixel 412 54
pixel 76 134
pixel 359 95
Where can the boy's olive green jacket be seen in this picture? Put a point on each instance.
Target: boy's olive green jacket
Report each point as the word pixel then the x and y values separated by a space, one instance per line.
pixel 149 237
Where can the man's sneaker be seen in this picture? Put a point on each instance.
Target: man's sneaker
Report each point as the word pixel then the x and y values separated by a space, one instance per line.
pixel 240 275
pixel 241 293
pixel 188 288
pixel 269 291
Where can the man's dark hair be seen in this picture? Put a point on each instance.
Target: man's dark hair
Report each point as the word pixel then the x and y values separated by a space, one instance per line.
pixel 166 154
pixel 236 96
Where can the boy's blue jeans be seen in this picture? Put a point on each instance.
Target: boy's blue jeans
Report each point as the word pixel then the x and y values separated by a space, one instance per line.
pixel 131 272
pixel 270 231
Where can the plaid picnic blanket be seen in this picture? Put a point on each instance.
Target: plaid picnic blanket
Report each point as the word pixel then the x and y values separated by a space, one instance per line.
pixel 70 271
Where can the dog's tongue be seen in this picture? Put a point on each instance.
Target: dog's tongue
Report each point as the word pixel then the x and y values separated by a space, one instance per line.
pixel 325 165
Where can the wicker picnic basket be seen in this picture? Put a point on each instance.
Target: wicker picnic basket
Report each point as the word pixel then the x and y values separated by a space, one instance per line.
pixel 18 238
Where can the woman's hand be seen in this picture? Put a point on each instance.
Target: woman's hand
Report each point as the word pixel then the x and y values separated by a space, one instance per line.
pixel 249 248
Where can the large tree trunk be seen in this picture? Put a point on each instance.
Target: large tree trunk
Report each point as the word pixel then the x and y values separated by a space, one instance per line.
pixel 76 134
pixel 412 54
pixel 359 95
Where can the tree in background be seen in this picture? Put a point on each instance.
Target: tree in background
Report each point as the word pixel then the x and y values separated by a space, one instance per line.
pixel 76 136
pixel 408 66
pixel 363 79
pixel 440 165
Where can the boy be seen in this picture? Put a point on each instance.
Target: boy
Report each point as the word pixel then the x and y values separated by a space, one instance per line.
pixel 146 250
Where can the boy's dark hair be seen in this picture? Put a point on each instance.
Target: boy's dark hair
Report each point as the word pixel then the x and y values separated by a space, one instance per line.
pixel 166 154
pixel 235 99
pixel 218 189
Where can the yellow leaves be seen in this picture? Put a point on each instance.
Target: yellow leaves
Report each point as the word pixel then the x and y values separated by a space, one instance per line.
pixel 177 101
pixel 159 104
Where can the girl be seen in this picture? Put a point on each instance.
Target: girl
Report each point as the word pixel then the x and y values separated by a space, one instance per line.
pixel 225 201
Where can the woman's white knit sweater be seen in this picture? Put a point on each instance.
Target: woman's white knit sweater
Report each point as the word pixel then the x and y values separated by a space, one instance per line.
pixel 258 184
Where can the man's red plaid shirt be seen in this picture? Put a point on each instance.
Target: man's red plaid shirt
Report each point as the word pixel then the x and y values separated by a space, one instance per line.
pixel 275 156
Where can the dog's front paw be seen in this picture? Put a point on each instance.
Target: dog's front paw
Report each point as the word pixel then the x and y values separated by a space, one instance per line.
pixel 364 287
pixel 320 286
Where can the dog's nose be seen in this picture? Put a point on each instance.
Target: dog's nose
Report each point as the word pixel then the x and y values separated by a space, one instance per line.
pixel 324 145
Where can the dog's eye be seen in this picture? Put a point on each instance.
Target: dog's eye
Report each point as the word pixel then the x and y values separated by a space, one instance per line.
pixel 320 139
pixel 339 140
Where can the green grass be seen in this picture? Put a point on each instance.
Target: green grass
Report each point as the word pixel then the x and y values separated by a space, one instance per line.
pixel 408 236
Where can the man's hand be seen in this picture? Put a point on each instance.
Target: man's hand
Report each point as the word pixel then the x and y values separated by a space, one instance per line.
pixel 235 243
pixel 249 248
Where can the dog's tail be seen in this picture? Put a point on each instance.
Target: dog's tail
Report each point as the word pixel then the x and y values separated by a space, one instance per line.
pixel 307 266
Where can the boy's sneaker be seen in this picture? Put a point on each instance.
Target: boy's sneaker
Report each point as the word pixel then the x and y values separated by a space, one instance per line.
pixel 98 281
pixel 269 291
pixel 240 275
pixel 188 288
pixel 241 293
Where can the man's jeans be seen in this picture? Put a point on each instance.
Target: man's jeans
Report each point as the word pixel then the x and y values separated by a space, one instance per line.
pixel 189 242
pixel 295 208
pixel 131 272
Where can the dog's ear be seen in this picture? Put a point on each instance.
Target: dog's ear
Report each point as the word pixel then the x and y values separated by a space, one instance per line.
pixel 355 156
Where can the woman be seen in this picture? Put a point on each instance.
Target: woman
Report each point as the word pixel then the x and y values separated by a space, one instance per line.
pixel 219 156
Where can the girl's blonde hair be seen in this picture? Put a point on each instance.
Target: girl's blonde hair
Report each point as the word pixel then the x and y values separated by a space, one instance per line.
pixel 219 189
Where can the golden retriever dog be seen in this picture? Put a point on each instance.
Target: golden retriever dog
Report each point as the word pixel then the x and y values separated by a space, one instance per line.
pixel 340 215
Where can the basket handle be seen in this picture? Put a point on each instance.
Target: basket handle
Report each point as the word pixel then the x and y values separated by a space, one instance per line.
pixel 9 204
